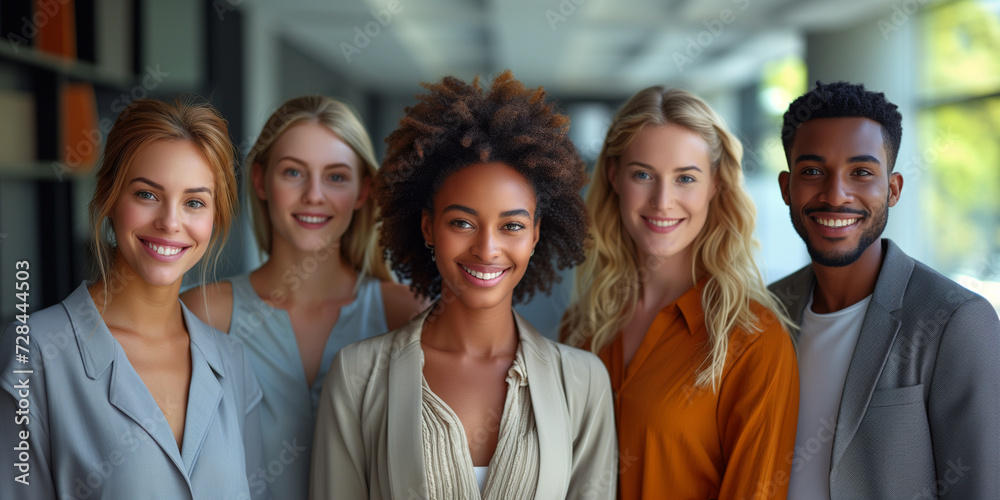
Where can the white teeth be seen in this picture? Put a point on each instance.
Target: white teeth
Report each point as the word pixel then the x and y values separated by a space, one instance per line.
pixel 311 219
pixel 482 276
pixel 836 222
pixel 663 223
pixel 168 251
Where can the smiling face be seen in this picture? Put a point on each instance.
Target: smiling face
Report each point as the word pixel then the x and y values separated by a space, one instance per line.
pixel 313 183
pixel 483 229
pixel 664 184
pixel 838 188
pixel 163 218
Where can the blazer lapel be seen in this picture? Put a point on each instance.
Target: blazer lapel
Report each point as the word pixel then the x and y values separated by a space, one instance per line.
pixel 127 392
pixel 878 332
pixel 205 392
pixel 552 420
pixel 405 447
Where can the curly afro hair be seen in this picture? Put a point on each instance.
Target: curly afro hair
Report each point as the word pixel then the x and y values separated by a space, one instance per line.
pixel 845 100
pixel 457 125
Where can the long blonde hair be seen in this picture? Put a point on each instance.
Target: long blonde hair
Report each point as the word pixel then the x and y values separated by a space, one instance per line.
pixel 607 286
pixel 140 124
pixel 359 245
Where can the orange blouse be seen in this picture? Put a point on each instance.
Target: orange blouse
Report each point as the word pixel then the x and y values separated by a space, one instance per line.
pixel 679 441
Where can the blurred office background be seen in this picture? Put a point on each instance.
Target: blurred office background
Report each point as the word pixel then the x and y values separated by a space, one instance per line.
pixel 67 67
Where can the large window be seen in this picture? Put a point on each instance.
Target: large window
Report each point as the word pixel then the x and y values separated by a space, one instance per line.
pixel 958 156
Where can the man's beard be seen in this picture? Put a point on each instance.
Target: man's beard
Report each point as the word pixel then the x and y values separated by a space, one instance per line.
pixel 869 236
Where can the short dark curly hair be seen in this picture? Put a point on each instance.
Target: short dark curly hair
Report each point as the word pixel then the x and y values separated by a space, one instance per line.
pixel 845 100
pixel 457 125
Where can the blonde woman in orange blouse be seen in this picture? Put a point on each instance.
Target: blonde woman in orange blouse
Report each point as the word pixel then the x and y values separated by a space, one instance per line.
pixel 703 369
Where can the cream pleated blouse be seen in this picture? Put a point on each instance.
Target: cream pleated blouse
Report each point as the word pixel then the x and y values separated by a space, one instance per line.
pixel 513 470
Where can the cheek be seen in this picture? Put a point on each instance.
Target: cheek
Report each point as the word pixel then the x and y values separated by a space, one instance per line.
pixel 201 226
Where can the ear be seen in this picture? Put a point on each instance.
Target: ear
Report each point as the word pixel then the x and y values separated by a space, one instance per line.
pixel 257 175
pixel 613 174
pixel 783 184
pixel 366 184
pixel 895 187
pixel 427 227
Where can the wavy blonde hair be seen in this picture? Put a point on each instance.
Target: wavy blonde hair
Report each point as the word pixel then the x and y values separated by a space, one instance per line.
pixel 359 245
pixel 140 124
pixel 607 286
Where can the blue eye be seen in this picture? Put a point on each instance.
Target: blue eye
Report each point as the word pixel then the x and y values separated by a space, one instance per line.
pixel 145 195
pixel 195 204
pixel 338 178
pixel 291 172
pixel 642 175
pixel 686 179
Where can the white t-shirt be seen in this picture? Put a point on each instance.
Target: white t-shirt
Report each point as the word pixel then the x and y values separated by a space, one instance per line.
pixel 481 472
pixel 826 345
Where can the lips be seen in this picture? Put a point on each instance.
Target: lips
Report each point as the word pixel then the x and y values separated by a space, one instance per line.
pixel 661 225
pixel 312 221
pixel 484 276
pixel 164 250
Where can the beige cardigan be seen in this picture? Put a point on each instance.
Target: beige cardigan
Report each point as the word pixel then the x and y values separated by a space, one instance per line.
pixel 367 443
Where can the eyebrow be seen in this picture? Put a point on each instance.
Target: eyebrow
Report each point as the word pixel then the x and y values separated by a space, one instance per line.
pixel 301 162
pixel 157 186
pixel 509 213
pixel 678 169
pixel 853 159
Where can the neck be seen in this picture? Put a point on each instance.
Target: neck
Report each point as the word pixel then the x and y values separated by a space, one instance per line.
pixel 840 287
pixel 302 277
pixel 664 280
pixel 452 326
pixel 127 302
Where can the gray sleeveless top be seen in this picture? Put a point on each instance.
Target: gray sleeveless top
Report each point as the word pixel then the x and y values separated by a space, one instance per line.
pixel 288 409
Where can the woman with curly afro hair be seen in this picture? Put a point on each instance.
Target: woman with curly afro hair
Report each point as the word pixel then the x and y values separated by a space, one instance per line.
pixel 479 202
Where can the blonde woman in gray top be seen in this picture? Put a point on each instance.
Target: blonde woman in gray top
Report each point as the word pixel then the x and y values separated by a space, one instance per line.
pixel 324 284
pixel 480 203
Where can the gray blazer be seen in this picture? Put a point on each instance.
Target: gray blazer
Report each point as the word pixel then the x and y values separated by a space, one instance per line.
pixel 920 412
pixel 95 431
pixel 367 442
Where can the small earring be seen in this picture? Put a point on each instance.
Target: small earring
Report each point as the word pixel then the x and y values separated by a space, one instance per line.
pixel 532 253
pixel 431 248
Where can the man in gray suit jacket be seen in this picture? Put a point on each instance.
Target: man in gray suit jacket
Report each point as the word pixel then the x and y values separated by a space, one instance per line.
pixel 899 366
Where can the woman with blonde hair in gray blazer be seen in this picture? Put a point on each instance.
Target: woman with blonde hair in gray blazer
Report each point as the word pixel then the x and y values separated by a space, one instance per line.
pixel 479 196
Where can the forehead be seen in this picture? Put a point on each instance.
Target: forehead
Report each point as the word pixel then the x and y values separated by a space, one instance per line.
pixel 490 186
pixel 171 163
pixel 839 137
pixel 668 146
pixel 313 142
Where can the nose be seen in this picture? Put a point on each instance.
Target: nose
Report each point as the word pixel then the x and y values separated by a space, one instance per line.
pixel 486 246
pixel 836 192
pixel 313 193
pixel 662 195
pixel 168 220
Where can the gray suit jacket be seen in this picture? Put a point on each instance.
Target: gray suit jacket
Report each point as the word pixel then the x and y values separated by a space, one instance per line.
pixel 920 412
pixel 367 443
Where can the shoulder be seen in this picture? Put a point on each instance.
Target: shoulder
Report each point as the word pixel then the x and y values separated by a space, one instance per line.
pixel 791 288
pixel 581 370
pixel 768 340
pixel 365 357
pixel 212 303
pixel 401 304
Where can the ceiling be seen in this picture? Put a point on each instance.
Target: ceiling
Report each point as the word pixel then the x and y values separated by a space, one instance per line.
pixel 590 48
